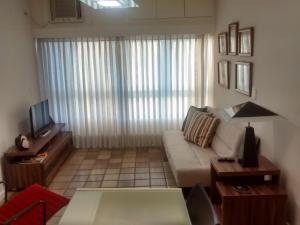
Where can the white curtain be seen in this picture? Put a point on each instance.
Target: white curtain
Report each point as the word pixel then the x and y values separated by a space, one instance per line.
pixel 124 91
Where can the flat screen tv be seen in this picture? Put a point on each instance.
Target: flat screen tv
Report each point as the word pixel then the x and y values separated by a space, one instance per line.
pixel 40 119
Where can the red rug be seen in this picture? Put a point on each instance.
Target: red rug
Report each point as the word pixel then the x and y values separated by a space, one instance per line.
pixel 54 203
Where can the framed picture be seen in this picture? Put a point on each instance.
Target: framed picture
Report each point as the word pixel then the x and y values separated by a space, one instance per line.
pixel 243 77
pixel 233 38
pixel 223 74
pixel 222 39
pixel 246 39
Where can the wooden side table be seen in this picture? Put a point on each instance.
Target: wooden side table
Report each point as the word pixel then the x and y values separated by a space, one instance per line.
pixel 263 203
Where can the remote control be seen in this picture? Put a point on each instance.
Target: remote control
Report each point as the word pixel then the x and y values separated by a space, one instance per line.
pixel 226 159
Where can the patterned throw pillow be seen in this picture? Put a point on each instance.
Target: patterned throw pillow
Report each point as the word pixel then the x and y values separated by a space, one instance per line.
pixel 189 116
pixel 208 131
pixel 195 127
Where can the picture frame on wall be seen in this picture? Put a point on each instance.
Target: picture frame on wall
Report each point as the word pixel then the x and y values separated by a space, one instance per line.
pixel 243 77
pixel 222 40
pixel 246 41
pixel 233 30
pixel 223 74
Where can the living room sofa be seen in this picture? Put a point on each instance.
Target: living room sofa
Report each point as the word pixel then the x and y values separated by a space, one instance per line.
pixel 190 164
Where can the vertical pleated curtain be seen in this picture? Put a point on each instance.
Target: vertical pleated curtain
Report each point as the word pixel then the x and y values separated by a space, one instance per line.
pixel 124 91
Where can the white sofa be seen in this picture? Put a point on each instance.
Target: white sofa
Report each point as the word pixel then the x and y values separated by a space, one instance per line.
pixel 190 164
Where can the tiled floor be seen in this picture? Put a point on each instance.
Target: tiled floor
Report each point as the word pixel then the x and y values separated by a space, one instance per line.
pixel 135 167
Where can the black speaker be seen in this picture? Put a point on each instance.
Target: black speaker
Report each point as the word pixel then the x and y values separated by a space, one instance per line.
pixel 249 149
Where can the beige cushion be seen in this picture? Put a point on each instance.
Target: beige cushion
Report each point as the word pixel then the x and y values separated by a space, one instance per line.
pixel 190 164
pixel 227 140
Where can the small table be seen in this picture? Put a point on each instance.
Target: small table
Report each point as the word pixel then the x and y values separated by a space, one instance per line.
pixel 122 206
pixel 263 202
pixel 233 172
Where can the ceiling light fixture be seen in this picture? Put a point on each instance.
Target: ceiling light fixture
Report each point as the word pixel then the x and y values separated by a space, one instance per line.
pixel 100 4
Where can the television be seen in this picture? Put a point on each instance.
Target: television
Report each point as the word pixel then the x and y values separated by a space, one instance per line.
pixel 40 119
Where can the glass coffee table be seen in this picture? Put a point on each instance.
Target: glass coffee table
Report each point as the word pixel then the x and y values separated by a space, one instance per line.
pixel 127 206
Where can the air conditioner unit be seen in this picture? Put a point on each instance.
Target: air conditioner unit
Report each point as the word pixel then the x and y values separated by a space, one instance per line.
pixel 65 11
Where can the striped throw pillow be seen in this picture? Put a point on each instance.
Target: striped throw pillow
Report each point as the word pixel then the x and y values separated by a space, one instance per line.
pixel 195 127
pixel 208 131
pixel 193 119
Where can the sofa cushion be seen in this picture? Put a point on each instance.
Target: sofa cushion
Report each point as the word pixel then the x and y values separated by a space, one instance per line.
pixel 189 163
pixel 195 127
pixel 227 140
pixel 208 132
pixel 189 116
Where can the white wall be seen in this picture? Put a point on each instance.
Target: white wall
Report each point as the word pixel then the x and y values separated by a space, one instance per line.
pixel 153 16
pixel 18 77
pixel 276 78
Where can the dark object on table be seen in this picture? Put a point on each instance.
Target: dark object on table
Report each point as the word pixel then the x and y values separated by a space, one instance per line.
pixel 226 159
pixel 22 142
pixel 241 188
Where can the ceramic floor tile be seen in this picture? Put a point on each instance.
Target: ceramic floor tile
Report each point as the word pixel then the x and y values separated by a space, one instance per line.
pixel 127 170
pixel 100 165
pixel 142 165
pixel 62 179
pixel 98 171
pixel 83 172
pixel 111 177
pixel 76 184
pixel 115 160
pixel 125 183
pixel 128 165
pixel 158 182
pixel 66 172
pixel 80 178
pixel 157 170
pixel 86 167
pixel 59 185
pixel 114 165
pixel 93 184
pixel 103 157
pixel 109 184
pixel 113 171
pixel 142 176
pixel 142 170
pixel 88 161
pixel 142 183
pixel 128 176
pixel 157 175
pixel 98 177
pixel 155 164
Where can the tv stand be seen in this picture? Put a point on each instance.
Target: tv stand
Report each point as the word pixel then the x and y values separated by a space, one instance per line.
pixel 20 171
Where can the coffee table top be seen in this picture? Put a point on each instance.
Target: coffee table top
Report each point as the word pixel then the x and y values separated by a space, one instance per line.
pixel 126 206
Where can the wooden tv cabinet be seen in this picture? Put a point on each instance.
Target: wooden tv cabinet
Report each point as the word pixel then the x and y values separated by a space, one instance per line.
pixel 19 174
